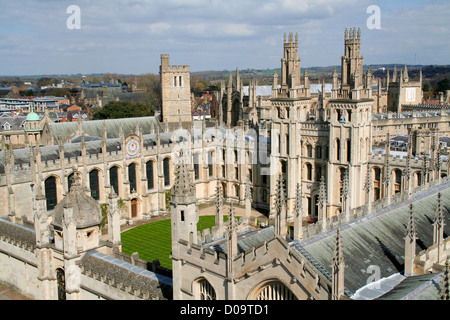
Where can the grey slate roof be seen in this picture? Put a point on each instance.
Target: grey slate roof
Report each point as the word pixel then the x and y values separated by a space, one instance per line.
pixel 422 287
pixel 378 239
pixel 247 239
pixel 17 232
pixel 159 286
pixel 94 128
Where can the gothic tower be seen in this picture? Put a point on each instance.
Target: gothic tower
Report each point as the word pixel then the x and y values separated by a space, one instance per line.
pixel 350 131
pixel 184 217
pixel 290 63
pixel 175 91
pixel 352 61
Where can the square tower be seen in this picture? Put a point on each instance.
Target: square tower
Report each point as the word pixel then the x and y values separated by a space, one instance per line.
pixel 175 92
pixel 352 61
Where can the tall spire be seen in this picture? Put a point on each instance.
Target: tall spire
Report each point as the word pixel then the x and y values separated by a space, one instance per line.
pixel 438 224
pixel 219 204
pixel 338 266
pixel 405 74
pixel 280 206
pixel 298 216
pixel 410 243
pixel 323 201
pixel 232 233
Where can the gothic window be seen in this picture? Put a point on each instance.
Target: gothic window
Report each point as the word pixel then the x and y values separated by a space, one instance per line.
pixel 196 167
pixel 318 172
pixel 349 151
pixel 341 174
pixel 376 194
pixel 309 151
pixel 210 164
pixel 69 180
pixel 308 171
pixel 236 190
pixel 166 167
pixel 319 152
pixel 287 144
pixel 61 284
pixel 275 291
pixel 114 179
pixel 94 184
pixel 132 177
pixel 51 193
pixel 338 149
pixel 150 177
pixel 205 290
pixel 419 178
pixel 377 174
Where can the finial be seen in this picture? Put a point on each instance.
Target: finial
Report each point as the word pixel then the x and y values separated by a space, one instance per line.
pixel 411 229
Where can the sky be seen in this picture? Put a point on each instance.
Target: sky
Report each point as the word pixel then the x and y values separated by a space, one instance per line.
pixel 128 36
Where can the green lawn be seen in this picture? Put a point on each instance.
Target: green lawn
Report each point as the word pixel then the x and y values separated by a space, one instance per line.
pixel 153 241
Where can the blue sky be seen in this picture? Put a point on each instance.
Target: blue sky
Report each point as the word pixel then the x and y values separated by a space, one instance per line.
pixel 128 36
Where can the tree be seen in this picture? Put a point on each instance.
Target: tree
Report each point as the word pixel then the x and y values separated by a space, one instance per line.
pixel 59 92
pixel 123 109
pixel 442 85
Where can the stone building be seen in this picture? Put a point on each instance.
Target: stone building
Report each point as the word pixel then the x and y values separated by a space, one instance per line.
pixel 322 164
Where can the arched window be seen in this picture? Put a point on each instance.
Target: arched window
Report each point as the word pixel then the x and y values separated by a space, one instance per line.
pixel 274 290
pixel 210 163
pixel 150 176
pixel 94 184
pixel 318 172
pixel 236 190
pixel 132 177
pixel 338 149
pixel 349 151
pixel 51 193
pixel 308 171
pixel 196 166
pixel 309 152
pixel 114 179
pixel 205 290
pixel 319 152
pixel 166 167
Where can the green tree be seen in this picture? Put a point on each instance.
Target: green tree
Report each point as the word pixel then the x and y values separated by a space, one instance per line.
pixel 442 85
pixel 123 109
pixel 58 92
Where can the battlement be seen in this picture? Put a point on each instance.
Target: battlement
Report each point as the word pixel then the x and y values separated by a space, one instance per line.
pixel 166 67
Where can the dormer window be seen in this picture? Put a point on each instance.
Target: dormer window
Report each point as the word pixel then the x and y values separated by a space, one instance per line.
pixel 6 126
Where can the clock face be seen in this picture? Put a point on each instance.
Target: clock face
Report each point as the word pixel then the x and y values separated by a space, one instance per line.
pixel 132 147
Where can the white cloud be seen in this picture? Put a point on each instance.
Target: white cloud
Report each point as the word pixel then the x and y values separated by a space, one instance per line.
pixel 159 27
